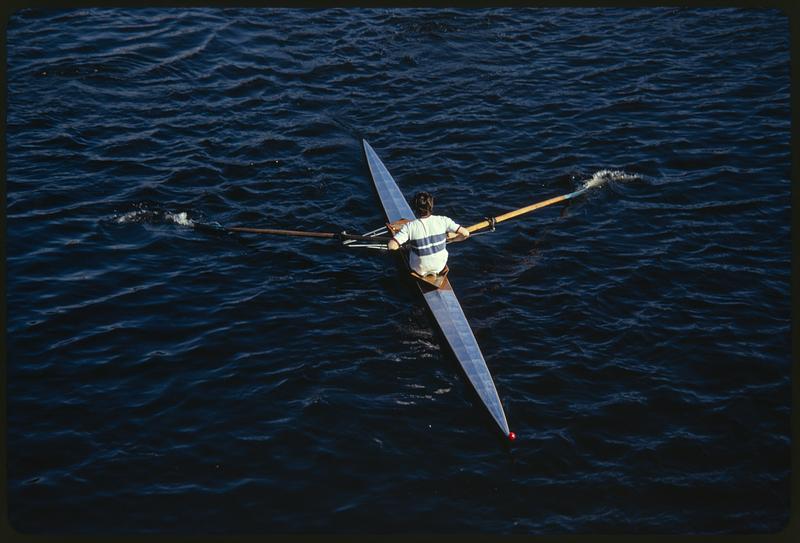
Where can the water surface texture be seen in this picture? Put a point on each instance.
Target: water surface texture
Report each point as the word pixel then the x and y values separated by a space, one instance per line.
pixel 163 379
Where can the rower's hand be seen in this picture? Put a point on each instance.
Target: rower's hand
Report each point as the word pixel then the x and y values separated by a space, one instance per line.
pixel 459 235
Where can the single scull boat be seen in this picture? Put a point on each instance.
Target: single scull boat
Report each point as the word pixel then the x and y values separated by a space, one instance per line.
pixel 436 290
pixel 442 301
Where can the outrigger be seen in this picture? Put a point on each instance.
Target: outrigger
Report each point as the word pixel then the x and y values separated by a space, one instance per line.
pixel 436 290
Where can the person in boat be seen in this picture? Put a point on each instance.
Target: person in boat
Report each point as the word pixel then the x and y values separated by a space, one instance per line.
pixel 427 236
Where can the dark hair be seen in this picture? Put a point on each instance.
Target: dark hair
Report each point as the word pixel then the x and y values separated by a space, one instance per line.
pixel 422 203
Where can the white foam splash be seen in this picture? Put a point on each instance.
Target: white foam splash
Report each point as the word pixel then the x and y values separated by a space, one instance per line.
pixel 603 176
pixel 181 218
pixel 144 215
pixel 132 216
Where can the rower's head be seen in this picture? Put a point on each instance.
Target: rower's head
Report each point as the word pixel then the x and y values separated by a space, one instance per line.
pixel 422 204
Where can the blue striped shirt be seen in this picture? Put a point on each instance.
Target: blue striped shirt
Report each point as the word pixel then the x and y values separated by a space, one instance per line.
pixel 428 240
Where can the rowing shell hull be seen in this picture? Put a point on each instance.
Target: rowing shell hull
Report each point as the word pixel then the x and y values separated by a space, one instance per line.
pixel 442 302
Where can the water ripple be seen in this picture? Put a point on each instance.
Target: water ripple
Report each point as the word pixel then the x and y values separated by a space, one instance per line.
pixel 638 335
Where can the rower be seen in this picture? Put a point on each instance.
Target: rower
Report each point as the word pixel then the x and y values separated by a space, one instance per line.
pixel 427 236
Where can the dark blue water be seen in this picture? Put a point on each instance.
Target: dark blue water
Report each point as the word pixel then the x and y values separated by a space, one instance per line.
pixel 165 379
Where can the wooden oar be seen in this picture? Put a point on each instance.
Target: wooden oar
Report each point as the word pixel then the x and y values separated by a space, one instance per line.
pixel 521 211
pixel 343 236
pixel 327 235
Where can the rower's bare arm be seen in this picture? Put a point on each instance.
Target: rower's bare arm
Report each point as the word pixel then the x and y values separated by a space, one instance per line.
pixel 459 235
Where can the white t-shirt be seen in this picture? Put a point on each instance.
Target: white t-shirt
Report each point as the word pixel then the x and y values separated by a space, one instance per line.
pixel 428 239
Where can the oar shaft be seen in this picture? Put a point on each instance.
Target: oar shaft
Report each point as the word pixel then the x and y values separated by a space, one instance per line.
pixel 298 233
pixel 521 211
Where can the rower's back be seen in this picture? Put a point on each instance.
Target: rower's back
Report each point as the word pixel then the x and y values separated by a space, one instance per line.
pixel 427 239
